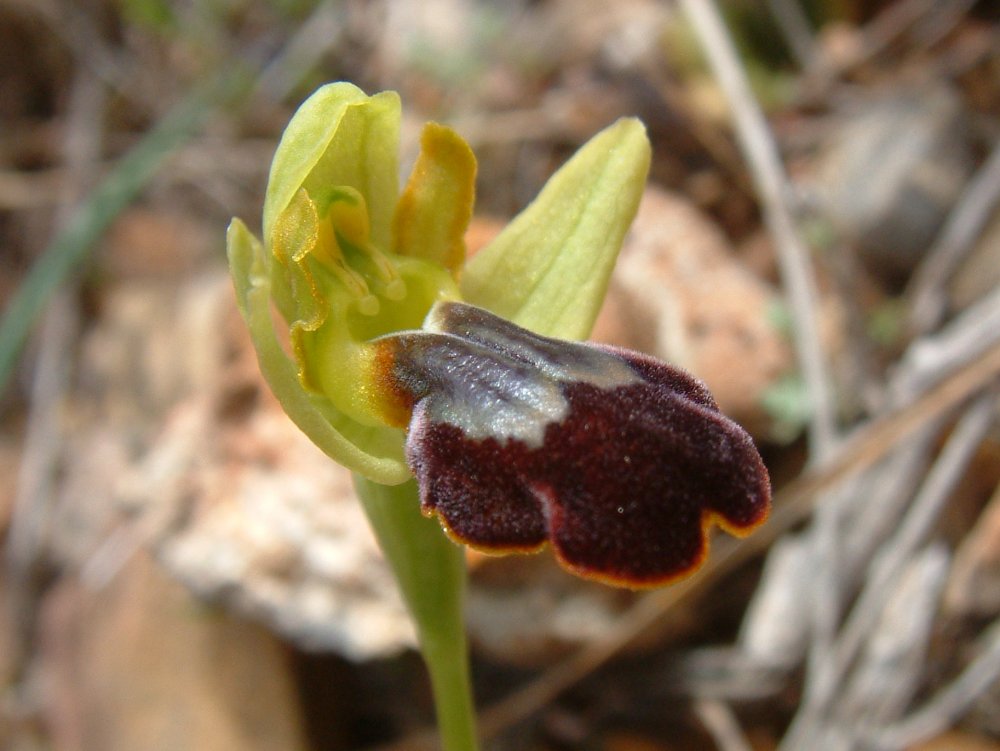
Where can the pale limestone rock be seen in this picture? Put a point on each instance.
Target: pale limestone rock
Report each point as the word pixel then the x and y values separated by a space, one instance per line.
pixel 681 294
pixel 141 664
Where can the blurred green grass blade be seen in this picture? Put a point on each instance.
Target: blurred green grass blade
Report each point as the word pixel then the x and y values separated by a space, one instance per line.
pixel 73 242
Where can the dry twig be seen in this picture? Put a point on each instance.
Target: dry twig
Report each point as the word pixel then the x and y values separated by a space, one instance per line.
pixel 43 435
pixel 885 28
pixel 893 557
pixel 948 704
pixel 721 723
pixel 794 26
pixel 800 287
pixel 966 221
pixel 765 164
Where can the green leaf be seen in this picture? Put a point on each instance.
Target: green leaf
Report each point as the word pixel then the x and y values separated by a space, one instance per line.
pixel 340 437
pixel 548 269
pixel 340 136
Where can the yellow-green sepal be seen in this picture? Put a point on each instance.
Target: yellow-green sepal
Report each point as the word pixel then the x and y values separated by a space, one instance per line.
pixel 548 269
pixel 340 136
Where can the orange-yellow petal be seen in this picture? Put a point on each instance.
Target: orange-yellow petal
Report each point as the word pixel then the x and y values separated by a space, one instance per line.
pixel 436 205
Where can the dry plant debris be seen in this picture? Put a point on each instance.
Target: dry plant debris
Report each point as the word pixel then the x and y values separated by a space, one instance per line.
pixel 819 245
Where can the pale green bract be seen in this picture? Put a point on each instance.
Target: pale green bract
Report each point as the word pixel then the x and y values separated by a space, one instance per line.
pixel 548 269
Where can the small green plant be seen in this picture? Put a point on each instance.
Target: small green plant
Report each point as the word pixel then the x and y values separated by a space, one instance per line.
pixel 450 389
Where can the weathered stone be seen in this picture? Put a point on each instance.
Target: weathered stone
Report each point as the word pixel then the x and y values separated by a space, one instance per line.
pixel 176 437
pixel 891 170
pixel 141 664
pixel 679 293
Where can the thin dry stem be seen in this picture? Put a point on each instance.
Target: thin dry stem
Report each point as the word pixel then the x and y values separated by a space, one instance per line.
pixel 826 680
pixel 43 441
pixel 764 162
pixel 965 223
pixel 799 282
pixel 316 36
pixel 721 723
pixel 948 704
pixel 887 26
pixel 791 20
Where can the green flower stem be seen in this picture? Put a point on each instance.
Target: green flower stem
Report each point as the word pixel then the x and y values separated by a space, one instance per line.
pixel 431 573
pixel 448 664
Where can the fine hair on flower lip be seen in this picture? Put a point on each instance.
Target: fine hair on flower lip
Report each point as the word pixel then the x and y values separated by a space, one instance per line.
pixel 409 361
pixel 621 462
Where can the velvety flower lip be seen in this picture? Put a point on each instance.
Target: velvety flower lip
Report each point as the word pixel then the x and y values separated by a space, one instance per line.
pixel 623 463
pixel 516 440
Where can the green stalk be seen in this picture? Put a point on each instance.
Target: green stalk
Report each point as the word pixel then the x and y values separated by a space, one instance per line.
pixel 431 573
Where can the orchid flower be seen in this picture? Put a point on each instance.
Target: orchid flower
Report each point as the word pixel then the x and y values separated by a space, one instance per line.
pixel 400 359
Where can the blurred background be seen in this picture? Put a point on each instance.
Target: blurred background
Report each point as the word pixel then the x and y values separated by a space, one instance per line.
pixel 819 241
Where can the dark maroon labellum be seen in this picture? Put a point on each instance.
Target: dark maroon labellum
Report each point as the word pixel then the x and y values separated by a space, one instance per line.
pixel 622 462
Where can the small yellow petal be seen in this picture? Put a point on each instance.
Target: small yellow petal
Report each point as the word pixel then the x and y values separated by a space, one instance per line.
pixel 436 205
